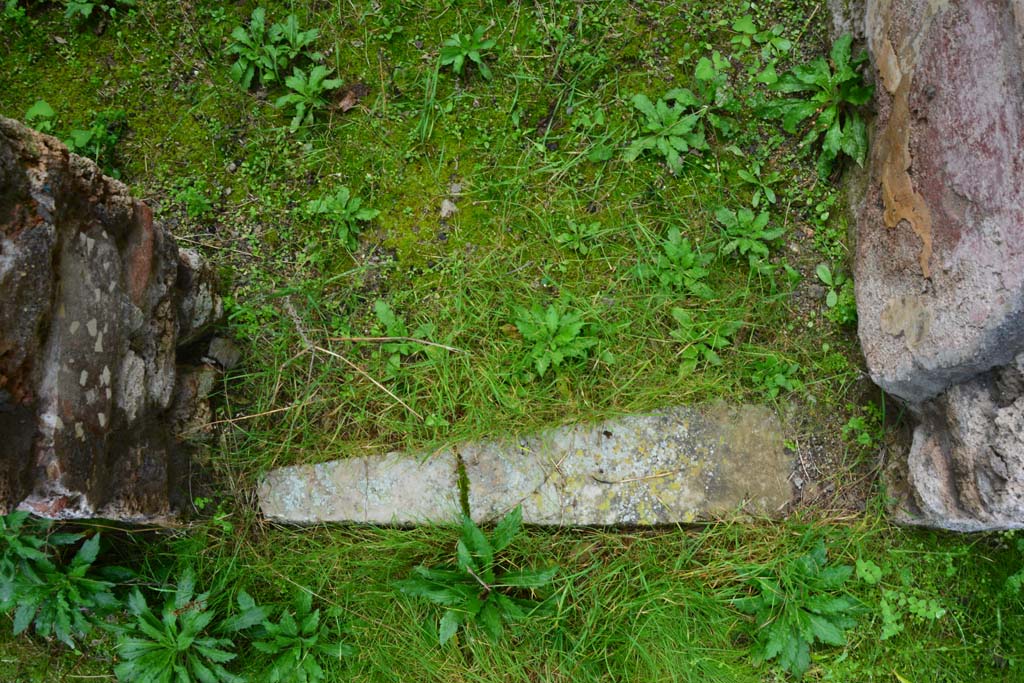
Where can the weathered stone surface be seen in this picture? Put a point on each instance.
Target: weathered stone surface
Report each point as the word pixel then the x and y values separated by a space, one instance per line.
pixel 940 235
pixel 94 298
pixel 674 466
pixel 389 489
pixel 965 470
pixel 939 260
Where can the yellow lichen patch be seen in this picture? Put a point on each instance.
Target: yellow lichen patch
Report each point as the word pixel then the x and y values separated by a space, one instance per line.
pixel 902 202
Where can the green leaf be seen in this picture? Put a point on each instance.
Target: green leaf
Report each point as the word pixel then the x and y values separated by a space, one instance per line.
pixel 449 625
pixel 705 70
pixel 490 618
pixel 825 631
pixel 477 543
pixel 840 52
pixel 507 529
pixel 528 578
pixel 855 139
pixel 868 572
pixel 40 110
pixel 745 24
pixel 831 299
pixel 824 274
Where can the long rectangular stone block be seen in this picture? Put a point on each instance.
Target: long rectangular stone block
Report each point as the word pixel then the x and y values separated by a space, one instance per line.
pixel 676 465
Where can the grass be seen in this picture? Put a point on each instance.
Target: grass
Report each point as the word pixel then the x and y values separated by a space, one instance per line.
pixel 522 156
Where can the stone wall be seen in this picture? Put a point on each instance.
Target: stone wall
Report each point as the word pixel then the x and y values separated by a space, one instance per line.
pixel 939 260
pixel 96 302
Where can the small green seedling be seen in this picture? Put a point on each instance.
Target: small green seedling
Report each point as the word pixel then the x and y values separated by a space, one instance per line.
pixel 345 212
pixel 84 9
pixel 461 47
pixel 701 339
pixel 98 140
pixel 762 183
pixel 557 335
pixel 667 128
pixel 477 590
pixel 746 233
pixel 775 375
pixel 41 116
pixel 401 343
pixel 307 96
pixel 840 297
pixel 678 268
pixel 580 237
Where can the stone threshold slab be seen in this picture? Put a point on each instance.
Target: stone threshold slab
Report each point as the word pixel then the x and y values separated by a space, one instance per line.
pixel 677 465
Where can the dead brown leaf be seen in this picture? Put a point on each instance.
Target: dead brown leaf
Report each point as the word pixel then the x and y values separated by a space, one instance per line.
pixel 351 96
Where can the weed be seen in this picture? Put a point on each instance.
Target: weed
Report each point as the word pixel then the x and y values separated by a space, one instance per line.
pixel 263 53
pixel 580 237
pixel 177 644
pixel 557 335
pixel 98 140
pixel 702 339
pixel 761 182
pixel 41 117
pixel 475 591
pixel 800 602
pixel 259 58
pixel 307 96
pixel 840 299
pixel 834 94
pixel 194 196
pixel 678 267
pixel 60 600
pixel 667 129
pixel 745 232
pixel 84 9
pixel 345 212
pixel 294 643
pixel 866 429
pixel 462 46
pixel 20 543
pixel 773 375
pixel 401 343
pixel 896 604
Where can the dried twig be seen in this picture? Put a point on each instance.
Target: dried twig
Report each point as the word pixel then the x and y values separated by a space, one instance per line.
pixel 385 340
pixel 367 376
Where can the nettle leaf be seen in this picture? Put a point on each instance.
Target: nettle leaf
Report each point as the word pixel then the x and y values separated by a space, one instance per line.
pixel 528 578
pixel 450 623
pixel 507 529
pixel 476 541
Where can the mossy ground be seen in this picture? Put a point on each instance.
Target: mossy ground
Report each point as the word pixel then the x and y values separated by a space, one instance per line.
pixel 521 156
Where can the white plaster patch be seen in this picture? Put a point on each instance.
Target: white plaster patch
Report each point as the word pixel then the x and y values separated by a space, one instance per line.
pixel 91 326
pixel 102 418
pixel 98 347
pixel 58 423
pixel 80 431
pixel 83 378
pixel 89 244
pixel 105 376
pixel 74 326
